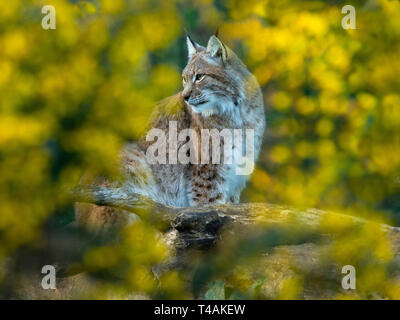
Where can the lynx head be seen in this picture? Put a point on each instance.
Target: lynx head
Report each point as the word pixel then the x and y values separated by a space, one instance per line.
pixel 215 81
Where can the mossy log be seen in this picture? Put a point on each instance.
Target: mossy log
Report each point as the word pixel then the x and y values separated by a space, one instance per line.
pixel 202 229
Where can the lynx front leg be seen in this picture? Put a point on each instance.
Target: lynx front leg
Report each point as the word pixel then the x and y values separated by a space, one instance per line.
pixel 207 186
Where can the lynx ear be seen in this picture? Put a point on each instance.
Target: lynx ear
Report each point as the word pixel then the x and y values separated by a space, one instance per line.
pixel 216 48
pixel 191 46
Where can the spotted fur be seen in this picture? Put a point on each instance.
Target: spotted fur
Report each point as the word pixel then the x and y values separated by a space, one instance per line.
pixel 218 93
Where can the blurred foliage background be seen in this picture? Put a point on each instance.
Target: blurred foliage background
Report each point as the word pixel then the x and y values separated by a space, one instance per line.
pixel 70 97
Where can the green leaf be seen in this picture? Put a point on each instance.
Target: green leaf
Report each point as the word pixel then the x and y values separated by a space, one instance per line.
pixel 254 291
pixel 216 291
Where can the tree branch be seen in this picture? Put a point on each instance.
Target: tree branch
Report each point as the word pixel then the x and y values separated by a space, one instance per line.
pixel 199 226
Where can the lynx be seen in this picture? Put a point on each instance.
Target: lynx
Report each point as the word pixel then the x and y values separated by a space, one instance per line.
pixel 218 93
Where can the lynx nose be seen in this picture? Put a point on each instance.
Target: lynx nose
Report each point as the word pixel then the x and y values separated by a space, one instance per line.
pixel 186 96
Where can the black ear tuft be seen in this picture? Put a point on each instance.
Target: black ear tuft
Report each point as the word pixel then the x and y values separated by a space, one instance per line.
pixel 191 45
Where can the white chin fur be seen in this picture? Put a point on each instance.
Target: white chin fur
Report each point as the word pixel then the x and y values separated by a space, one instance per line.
pixel 205 109
pixel 215 106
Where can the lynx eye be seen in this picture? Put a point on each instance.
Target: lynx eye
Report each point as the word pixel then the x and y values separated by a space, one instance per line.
pixel 198 77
